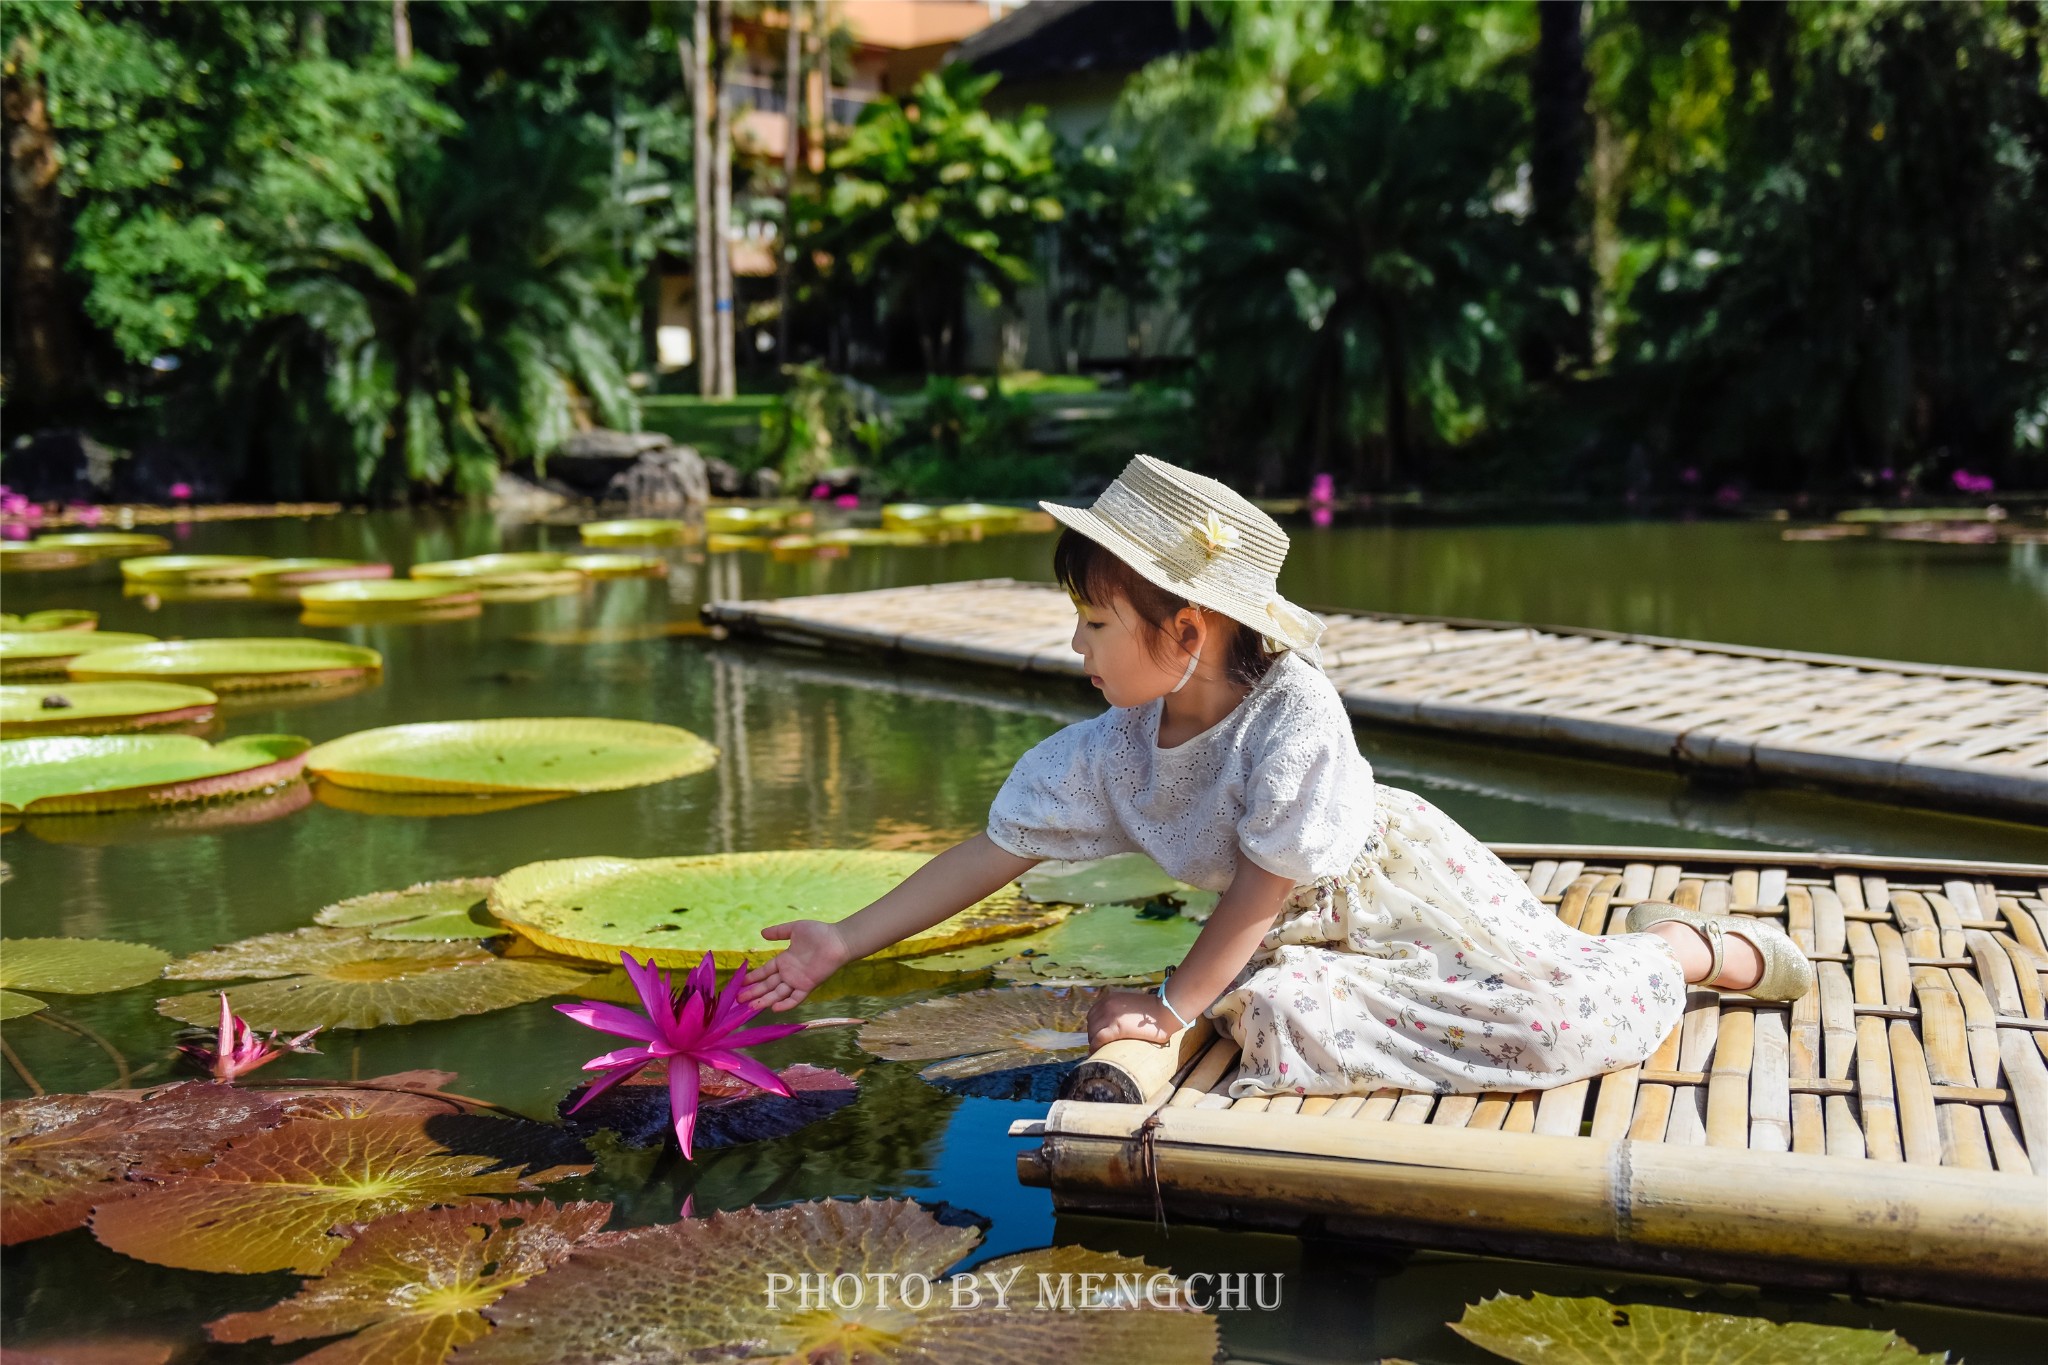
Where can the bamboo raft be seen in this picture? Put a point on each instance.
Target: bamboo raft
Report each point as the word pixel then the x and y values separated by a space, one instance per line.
pixel 1885 1134
pixel 1908 732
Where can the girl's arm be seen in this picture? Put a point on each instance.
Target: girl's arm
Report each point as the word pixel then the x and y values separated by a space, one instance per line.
pixel 943 887
pixel 1226 943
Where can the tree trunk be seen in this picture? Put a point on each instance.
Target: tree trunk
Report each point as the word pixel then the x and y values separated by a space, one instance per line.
pixel 696 59
pixel 792 120
pixel 1558 84
pixel 721 199
pixel 46 341
pixel 401 32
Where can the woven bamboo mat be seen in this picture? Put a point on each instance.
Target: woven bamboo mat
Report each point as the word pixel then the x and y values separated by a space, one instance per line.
pixel 1914 733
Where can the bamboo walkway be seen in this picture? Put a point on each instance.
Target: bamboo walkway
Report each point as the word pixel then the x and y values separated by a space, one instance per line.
pixel 1913 733
pixel 1887 1133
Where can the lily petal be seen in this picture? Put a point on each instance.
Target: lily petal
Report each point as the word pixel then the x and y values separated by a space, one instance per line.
pixel 652 985
pixel 609 1018
pixel 747 1069
pixel 682 1100
pixel 760 1033
pixel 599 1086
pixel 625 1056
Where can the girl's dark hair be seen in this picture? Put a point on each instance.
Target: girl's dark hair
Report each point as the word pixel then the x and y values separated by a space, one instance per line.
pixel 1091 573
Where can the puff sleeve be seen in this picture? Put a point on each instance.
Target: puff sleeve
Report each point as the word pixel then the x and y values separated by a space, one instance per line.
pixel 1053 805
pixel 1308 809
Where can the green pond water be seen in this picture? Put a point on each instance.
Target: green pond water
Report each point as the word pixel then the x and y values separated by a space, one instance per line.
pixel 827 752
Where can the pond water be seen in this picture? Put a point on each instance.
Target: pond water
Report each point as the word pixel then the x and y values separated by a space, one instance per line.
pixel 819 752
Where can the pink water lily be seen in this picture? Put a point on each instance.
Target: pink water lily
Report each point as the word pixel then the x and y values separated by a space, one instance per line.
pixel 237 1050
pixel 699 1025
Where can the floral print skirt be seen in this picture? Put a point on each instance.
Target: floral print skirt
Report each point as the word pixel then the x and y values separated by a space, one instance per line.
pixel 1431 966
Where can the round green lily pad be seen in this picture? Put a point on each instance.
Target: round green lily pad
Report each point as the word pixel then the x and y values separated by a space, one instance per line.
pixel 79 708
pixel 104 544
pixel 379 592
pixel 1547 1330
pixel 678 909
pixel 638 531
pixel 45 653
pixel 292 572
pixel 77 966
pixel 30 558
pixel 188 568
pixel 567 754
pixel 58 619
pixel 617 566
pixel 901 516
pixel 1118 879
pixel 1103 943
pixel 746 520
pixel 428 912
pixel 122 772
pixel 231 665
pixel 14 1005
pixel 500 571
pixel 1005 1043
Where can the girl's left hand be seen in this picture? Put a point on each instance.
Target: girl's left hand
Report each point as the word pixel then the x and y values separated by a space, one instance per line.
pixel 1129 1014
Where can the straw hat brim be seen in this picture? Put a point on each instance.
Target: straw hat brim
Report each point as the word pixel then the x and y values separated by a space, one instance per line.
pixel 1283 624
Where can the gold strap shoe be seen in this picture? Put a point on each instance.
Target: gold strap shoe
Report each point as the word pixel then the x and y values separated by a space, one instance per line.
pixel 1787 974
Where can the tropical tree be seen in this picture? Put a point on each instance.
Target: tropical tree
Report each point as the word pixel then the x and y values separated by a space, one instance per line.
pixel 932 197
pixel 1353 286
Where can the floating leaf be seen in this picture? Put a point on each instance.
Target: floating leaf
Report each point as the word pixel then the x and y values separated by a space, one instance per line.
pixel 29 558
pixel 232 665
pixel 1547 1330
pixel 62 618
pixel 431 910
pixel 501 571
pixel 1108 942
pixel 1118 879
pixel 638 531
pixel 431 805
pixel 286 573
pixel 698 1290
pixel 676 909
pixel 75 707
pixel 45 653
pixel 14 1005
pixel 189 568
pixel 268 1200
pixel 729 1111
pixel 721 543
pixel 411 1286
pixel 124 772
pixel 1005 1043
pixel 60 1154
pixel 77 966
pixel 104 544
pixel 908 515
pixel 336 977
pixel 379 592
pixel 746 520
pixel 617 566
pixel 575 754
pixel 106 829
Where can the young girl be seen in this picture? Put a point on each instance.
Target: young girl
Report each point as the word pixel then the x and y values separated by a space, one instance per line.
pixel 1363 939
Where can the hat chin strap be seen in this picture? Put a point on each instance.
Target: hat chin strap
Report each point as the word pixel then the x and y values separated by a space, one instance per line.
pixel 1193 659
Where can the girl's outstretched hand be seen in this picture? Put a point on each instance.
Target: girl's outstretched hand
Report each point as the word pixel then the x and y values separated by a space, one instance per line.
pixel 815 951
pixel 1129 1014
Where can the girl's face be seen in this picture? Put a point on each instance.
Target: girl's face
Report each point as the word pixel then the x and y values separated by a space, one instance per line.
pixel 1113 641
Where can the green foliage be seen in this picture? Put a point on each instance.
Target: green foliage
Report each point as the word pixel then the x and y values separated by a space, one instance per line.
pixel 1547 1330
pixel 931 197
pixel 823 421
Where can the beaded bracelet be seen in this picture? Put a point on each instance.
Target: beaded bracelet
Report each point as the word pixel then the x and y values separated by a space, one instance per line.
pixel 1184 1023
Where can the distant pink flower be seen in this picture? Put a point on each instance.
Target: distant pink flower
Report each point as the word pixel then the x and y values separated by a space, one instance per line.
pixel 847 500
pixel 821 491
pixel 13 504
pixel 237 1050
pixel 1322 488
pixel 14 530
pixel 1728 495
pixel 697 1026
pixel 1887 474
pixel 181 491
pixel 89 514
pixel 1966 482
pixel 1320 516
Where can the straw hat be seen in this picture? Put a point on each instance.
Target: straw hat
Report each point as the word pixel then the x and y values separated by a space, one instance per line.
pixel 1192 536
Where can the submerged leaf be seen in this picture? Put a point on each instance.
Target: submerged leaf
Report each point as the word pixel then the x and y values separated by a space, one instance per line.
pixel 431 910
pixel 677 909
pixel 232 665
pixel 340 977
pixel 729 1111
pixel 702 1289
pixel 62 1154
pixel 1003 1043
pixel 81 707
pixel 575 754
pixel 268 1200
pixel 126 772
pixel 412 1286
pixel 1546 1330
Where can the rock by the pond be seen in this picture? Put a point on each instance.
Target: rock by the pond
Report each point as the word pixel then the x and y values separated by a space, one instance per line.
pixel 671 480
pixel 60 464
pixel 724 476
pixel 590 460
pixel 524 497
pixel 764 483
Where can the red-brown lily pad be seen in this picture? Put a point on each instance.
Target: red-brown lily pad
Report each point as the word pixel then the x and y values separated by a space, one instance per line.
pixel 269 1201
pixel 998 1044
pixel 730 1111
pixel 333 976
pixel 62 1154
pixel 412 1286
pixel 700 1290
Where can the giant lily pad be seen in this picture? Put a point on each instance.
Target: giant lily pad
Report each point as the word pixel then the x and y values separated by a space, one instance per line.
pixel 60 618
pixel 397 593
pixel 268 1200
pixel 45 653
pixel 1104 943
pixel 285 573
pixel 638 531
pixel 124 772
pixel 1003 1044
pixel 62 1154
pixel 30 558
pixel 189 568
pixel 83 708
pixel 424 913
pixel 411 1286
pixel 697 1290
pixel 1121 878
pixel 677 909
pixel 71 966
pixel 340 977
pixel 106 829
pixel 617 566
pixel 429 805
pixel 748 520
pixel 499 571
pixel 104 544
pixel 231 665
pixel 730 1111
pixel 1546 1330
pixel 575 754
